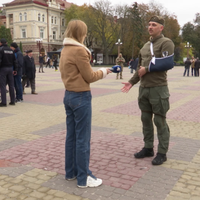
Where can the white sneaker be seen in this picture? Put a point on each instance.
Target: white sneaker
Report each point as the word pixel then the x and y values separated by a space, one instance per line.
pixel 91 182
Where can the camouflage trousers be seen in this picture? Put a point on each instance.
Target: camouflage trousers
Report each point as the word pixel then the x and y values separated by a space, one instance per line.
pixel 154 104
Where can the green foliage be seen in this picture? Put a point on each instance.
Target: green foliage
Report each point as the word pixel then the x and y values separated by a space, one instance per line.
pixel 191 34
pixel 5 33
pixel 106 24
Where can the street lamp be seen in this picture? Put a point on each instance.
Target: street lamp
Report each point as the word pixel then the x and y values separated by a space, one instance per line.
pixel 39 42
pixel 188 46
pixel 118 43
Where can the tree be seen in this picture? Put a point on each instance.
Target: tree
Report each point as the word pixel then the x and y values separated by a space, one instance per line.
pixel 105 26
pixel 191 34
pixel 5 33
pixel 188 32
pixel 131 29
pixel 83 13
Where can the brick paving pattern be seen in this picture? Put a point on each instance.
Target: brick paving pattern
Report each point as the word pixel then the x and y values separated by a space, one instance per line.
pixel 32 139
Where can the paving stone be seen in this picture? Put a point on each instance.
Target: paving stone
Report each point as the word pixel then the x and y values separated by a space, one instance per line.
pixel 36 194
pixel 6 144
pixel 14 171
pixel 2 115
pixel 50 130
pixel 17 188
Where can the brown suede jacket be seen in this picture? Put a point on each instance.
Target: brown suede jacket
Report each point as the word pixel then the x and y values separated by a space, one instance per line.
pixel 75 68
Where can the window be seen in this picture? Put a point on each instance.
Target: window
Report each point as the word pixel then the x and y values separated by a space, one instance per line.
pixel 20 17
pixel 63 22
pixel 25 16
pixel 39 17
pixel 55 20
pixel 43 17
pixel 52 19
pixel 54 35
pixel 23 33
pixel 41 33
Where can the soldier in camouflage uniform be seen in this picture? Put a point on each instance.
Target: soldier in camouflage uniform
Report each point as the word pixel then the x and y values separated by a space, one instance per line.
pixel 119 61
pixel 153 97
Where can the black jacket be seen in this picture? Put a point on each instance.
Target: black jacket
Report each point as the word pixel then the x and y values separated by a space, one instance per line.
pixel 20 60
pixel 187 63
pixel 7 57
pixel 29 67
pixel 197 64
pixel 55 61
pixel 41 59
pixel 134 64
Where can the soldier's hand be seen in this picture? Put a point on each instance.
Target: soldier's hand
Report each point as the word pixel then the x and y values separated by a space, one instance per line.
pixel 142 71
pixel 127 87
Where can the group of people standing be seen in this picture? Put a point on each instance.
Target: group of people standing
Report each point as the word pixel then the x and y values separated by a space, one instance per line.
pixel 194 64
pixel 51 63
pixel 15 71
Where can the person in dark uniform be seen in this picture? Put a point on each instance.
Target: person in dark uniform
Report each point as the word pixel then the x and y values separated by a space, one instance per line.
pixel 154 95
pixel 29 71
pixel 17 78
pixel 8 68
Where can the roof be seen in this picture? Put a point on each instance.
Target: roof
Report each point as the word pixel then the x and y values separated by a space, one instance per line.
pixel 17 2
pixel 63 3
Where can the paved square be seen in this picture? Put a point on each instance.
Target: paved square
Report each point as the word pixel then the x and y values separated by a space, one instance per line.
pixel 32 139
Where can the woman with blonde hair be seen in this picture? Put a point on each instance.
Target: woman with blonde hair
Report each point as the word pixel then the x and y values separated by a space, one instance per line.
pixel 77 74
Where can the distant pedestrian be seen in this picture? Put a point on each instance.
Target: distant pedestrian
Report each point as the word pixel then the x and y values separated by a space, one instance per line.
pixel 197 66
pixel 120 61
pixel 55 62
pixel 8 68
pixel 41 61
pixel 187 67
pixel 133 64
pixel 192 66
pixel 29 72
pixel 18 76
pixel 48 62
pixel 27 83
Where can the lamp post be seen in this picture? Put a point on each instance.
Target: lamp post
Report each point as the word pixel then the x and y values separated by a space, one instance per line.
pixel 188 46
pixel 118 43
pixel 39 42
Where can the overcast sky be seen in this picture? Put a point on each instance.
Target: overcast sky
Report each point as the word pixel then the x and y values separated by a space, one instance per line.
pixel 184 10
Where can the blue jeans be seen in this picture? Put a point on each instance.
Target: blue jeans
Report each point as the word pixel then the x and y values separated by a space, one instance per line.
pixel 77 147
pixel 186 71
pixel 18 87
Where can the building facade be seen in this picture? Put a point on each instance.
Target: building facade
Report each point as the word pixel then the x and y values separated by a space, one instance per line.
pixel 38 24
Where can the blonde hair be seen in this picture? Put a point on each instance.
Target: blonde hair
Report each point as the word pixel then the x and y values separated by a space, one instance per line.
pixel 77 30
